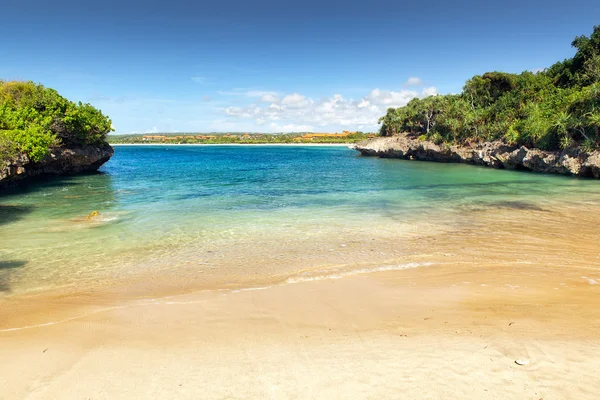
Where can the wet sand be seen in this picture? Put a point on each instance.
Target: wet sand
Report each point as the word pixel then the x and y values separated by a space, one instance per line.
pixel 514 283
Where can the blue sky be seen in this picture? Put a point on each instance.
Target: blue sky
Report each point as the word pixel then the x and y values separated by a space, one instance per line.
pixel 271 66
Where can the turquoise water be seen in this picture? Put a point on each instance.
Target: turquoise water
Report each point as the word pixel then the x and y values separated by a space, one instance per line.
pixel 223 213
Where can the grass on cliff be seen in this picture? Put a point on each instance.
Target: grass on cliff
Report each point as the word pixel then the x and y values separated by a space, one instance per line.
pixel 34 118
pixel 557 108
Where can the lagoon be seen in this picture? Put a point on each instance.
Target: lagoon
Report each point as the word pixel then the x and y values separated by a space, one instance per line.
pixel 273 271
pixel 234 217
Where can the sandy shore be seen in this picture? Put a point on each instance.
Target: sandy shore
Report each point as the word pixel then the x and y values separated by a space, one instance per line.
pixel 237 144
pixel 423 333
pixel 518 284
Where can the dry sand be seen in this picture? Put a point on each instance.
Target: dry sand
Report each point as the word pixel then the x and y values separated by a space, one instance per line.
pixel 518 284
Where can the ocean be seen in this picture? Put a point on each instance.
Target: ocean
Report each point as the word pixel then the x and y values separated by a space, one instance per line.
pixel 235 217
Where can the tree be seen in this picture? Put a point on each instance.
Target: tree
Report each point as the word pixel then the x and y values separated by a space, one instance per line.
pixel 582 69
pixel 34 119
pixel 558 107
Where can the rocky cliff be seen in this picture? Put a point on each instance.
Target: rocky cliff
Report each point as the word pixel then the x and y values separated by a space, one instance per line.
pixel 491 154
pixel 60 161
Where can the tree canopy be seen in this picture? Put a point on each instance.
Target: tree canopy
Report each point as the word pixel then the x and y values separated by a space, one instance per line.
pixel 34 118
pixel 558 107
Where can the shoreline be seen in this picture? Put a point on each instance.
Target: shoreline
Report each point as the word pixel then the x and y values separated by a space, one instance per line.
pixel 237 144
pixel 410 334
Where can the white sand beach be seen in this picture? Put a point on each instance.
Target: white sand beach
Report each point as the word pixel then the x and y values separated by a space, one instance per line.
pixel 451 330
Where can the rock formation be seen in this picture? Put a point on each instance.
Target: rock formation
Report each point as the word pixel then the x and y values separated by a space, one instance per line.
pixel 491 154
pixel 60 161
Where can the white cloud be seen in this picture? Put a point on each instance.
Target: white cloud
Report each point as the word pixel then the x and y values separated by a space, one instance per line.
pixel 297 112
pixel 245 112
pixel 413 81
pixel 235 111
pixel 429 91
pixel 199 79
pixel 363 103
pixel 269 97
pixel 391 98
pixel 263 96
pixel 296 100
pixel 291 128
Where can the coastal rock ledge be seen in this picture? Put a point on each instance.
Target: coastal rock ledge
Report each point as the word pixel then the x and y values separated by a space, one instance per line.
pixel 491 154
pixel 60 161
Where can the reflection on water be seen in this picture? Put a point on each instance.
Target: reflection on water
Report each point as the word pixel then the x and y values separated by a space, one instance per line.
pixel 223 214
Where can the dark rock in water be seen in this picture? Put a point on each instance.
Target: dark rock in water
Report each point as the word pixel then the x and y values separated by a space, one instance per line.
pixel 60 161
pixel 491 154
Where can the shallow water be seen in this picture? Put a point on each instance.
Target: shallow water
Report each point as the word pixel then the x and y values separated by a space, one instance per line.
pixel 224 215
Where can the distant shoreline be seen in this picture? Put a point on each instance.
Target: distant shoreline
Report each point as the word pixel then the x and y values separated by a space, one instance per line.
pixel 236 144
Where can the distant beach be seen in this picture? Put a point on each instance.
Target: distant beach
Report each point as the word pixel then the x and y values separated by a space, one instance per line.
pixel 237 144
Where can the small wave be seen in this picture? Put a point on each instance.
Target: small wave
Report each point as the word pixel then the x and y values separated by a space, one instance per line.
pixel 106 218
pixel 343 274
pixel 167 299
pixel 249 289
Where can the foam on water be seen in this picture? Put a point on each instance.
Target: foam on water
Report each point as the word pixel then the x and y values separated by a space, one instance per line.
pixel 345 273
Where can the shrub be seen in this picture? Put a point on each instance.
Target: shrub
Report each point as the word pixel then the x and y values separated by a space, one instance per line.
pixel 436 138
pixel 566 142
pixel 8 147
pixel 34 118
pixel 33 141
pixel 589 145
pixel 512 135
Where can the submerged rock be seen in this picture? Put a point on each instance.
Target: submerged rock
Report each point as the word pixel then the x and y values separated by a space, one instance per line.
pixel 495 154
pixel 60 161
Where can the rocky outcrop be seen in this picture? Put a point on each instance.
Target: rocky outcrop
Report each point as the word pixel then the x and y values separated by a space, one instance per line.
pixel 60 161
pixel 491 154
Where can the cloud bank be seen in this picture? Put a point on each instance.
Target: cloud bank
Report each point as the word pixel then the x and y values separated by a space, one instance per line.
pixel 293 112
pixel 252 110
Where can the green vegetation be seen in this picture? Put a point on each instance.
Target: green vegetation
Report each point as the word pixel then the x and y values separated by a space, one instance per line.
pixel 555 108
pixel 33 119
pixel 239 138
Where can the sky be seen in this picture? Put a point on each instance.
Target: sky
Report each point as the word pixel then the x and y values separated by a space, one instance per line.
pixel 275 66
